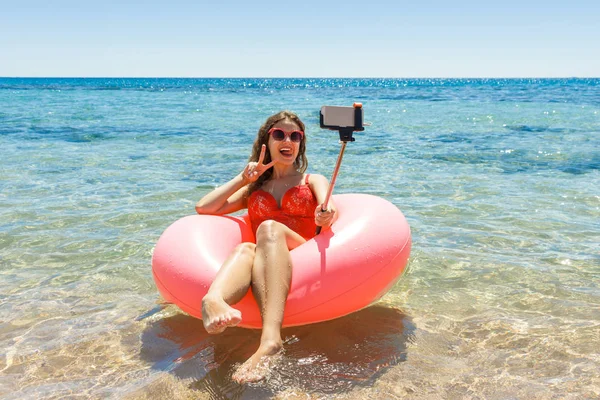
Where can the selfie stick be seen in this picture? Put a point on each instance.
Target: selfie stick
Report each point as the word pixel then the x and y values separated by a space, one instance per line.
pixel 345 137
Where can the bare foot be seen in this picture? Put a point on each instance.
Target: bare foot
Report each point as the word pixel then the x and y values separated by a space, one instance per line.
pixel 218 315
pixel 258 366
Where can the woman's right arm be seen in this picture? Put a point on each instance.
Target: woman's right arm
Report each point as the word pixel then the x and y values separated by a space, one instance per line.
pixel 232 196
pixel 225 199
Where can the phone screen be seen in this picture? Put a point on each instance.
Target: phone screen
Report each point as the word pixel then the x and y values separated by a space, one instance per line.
pixel 338 116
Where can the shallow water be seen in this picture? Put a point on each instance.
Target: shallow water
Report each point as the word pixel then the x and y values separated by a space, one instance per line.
pixel 498 179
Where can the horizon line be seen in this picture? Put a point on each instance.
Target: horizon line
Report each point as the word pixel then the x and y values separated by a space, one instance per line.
pixel 299 77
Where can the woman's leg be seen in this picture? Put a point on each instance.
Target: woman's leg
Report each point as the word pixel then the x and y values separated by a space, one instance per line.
pixel 230 285
pixel 271 278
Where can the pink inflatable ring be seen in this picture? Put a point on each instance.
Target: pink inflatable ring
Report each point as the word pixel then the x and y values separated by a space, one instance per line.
pixel 340 271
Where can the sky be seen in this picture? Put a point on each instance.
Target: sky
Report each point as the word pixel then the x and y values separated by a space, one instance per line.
pixel 302 38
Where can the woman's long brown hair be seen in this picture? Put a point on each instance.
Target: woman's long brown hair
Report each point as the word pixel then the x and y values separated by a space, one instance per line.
pixel 301 162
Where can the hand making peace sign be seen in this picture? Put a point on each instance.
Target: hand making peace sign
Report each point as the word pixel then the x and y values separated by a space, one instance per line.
pixel 255 169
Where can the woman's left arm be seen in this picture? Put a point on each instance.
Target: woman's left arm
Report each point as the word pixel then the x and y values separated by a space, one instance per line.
pixel 319 186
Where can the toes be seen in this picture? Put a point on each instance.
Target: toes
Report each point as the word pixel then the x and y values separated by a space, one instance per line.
pixel 223 319
pixel 254 377
pixel 221 322
pixel 215 330
pixel 251 372
pixel 213 327
pixel 246 376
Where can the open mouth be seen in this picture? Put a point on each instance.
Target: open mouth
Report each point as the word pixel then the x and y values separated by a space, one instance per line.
pixel 286 151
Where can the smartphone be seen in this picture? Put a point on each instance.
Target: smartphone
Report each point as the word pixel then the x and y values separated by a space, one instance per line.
pixel 346 118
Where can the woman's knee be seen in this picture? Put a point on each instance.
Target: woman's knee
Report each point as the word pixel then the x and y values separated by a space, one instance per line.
pixel 246 250
pixel 269 231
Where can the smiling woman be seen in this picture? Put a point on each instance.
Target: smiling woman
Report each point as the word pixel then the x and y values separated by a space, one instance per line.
pixel 284 208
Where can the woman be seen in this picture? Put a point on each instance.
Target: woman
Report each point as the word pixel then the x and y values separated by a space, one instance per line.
pixel 284 206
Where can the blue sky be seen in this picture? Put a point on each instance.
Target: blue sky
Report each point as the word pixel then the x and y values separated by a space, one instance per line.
pixel 302 38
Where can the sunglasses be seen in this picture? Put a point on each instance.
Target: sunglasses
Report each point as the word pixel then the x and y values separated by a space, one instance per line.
pixel 279 134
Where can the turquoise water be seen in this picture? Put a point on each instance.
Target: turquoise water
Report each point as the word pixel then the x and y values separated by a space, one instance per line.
pixel 499 180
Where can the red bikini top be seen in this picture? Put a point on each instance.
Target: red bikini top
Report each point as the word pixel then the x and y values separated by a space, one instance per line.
pixel 297 210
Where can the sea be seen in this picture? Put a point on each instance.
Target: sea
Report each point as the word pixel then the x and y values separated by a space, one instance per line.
pixel 499 180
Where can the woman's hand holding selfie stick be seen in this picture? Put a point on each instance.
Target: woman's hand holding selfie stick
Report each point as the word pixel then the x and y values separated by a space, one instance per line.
pixel 345 120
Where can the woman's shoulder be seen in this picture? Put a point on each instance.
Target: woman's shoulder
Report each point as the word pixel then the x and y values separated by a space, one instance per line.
pixel 313 179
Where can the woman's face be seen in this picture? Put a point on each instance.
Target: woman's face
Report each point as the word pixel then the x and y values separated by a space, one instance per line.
pixel 284 151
